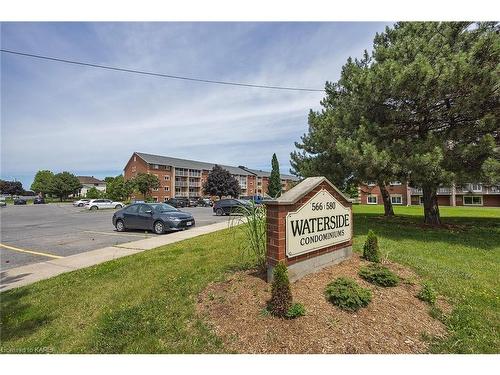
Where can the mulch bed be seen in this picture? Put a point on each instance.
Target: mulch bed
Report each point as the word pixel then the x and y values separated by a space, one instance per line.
pixel 394 322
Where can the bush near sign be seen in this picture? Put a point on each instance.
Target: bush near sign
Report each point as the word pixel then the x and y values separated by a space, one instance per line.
pixel 309 227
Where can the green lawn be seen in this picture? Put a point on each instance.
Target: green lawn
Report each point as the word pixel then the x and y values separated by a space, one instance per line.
pixel 146 302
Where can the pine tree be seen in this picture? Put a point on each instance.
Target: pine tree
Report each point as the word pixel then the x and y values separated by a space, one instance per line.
pixel 274 187
pixel 422 107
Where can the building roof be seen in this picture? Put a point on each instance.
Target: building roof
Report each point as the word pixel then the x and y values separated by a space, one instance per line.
pixel 298 191
pixel 261 173
pixel 193 164
pixel 89 180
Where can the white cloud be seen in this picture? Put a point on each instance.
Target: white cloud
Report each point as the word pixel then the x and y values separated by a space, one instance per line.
pixel 64 117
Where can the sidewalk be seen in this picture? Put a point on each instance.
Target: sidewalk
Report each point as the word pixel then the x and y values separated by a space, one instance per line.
pixel 25 275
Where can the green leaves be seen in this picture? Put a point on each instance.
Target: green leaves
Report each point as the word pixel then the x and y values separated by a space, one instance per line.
pixel 144 182
pixel 42 182
pixel 274 187
pixel 220 182
pixel 64 184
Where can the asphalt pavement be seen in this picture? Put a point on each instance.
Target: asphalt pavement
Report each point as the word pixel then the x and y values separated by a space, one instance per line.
pixel 38 233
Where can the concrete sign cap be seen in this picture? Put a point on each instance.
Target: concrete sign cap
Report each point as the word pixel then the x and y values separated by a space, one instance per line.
pixel 301 189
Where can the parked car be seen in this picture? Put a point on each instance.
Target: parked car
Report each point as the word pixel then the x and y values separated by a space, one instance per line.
pixel 230 206
pixel 257 199
pixel 193 202
pixel 157 217
pixel 81 202
pixel 19 201
pixel 39 200
pixel 178 202
pixel 96 204
pixel 205 202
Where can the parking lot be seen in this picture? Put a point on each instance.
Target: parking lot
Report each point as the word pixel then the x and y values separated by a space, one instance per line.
pixel 37 233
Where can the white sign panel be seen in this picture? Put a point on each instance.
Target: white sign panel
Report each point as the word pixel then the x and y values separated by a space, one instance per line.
pixel 322 221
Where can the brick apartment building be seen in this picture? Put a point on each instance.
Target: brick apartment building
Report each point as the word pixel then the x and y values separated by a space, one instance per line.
pixel 473 194
pixel 185 178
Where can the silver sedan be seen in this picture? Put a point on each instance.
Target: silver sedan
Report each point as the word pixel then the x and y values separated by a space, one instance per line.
pixel 96 204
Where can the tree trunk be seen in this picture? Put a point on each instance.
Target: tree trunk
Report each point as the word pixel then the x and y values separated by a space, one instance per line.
pixel 386 198
pixel 431 208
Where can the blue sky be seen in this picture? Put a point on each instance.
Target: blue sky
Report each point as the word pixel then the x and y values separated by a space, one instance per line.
pixel 89 121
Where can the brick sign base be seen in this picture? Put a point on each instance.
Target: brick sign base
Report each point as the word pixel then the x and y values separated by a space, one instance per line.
pixel 290 202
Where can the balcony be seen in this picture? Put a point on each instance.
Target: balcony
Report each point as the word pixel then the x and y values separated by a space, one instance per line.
pixel 195 173
pixel 181 172
pixel 194 184
pixel 181 194
pixel 181 183
pixel 444 190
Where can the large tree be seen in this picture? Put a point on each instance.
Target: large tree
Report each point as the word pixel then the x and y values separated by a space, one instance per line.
pixel 11 187
pixel 424 104
pixel 338 145
pixel 436 85
pixel 144 183
pixel 42 182
pixel 118 189
pixel 317 154
pixel 220 182
pixel 274 186
pixel 63 184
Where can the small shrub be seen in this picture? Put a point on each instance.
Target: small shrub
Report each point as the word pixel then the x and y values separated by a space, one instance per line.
pixel 347 294
pixel 379 275
pixel 295 311
pixel 281 294
pixel 264 312
pixel 427 294
pixel 370 249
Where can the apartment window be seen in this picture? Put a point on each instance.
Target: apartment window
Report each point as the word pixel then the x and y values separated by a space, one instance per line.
pixel 396 199
pixel 421 200
pixel 155 166
pixel 371 199
pixel 135 158
pixel 166 188
pixel 473 200
pixel 166 178
pixel 133 168
pixel 155 189
pixel 476 187
pixel 155 199
pixel 395 183
pixel 371 183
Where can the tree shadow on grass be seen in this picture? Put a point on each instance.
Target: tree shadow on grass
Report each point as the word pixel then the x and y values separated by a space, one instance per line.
pixel 479 232
pixel 19 318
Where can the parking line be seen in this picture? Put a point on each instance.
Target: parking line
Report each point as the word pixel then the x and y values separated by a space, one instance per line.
pixel 30 251
pixel 118 234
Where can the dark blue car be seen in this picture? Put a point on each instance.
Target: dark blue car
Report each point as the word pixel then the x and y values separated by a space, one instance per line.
pixel 157 217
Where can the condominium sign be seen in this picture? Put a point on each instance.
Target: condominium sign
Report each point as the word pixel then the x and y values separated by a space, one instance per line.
pixel 309 227
pixel 321 222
